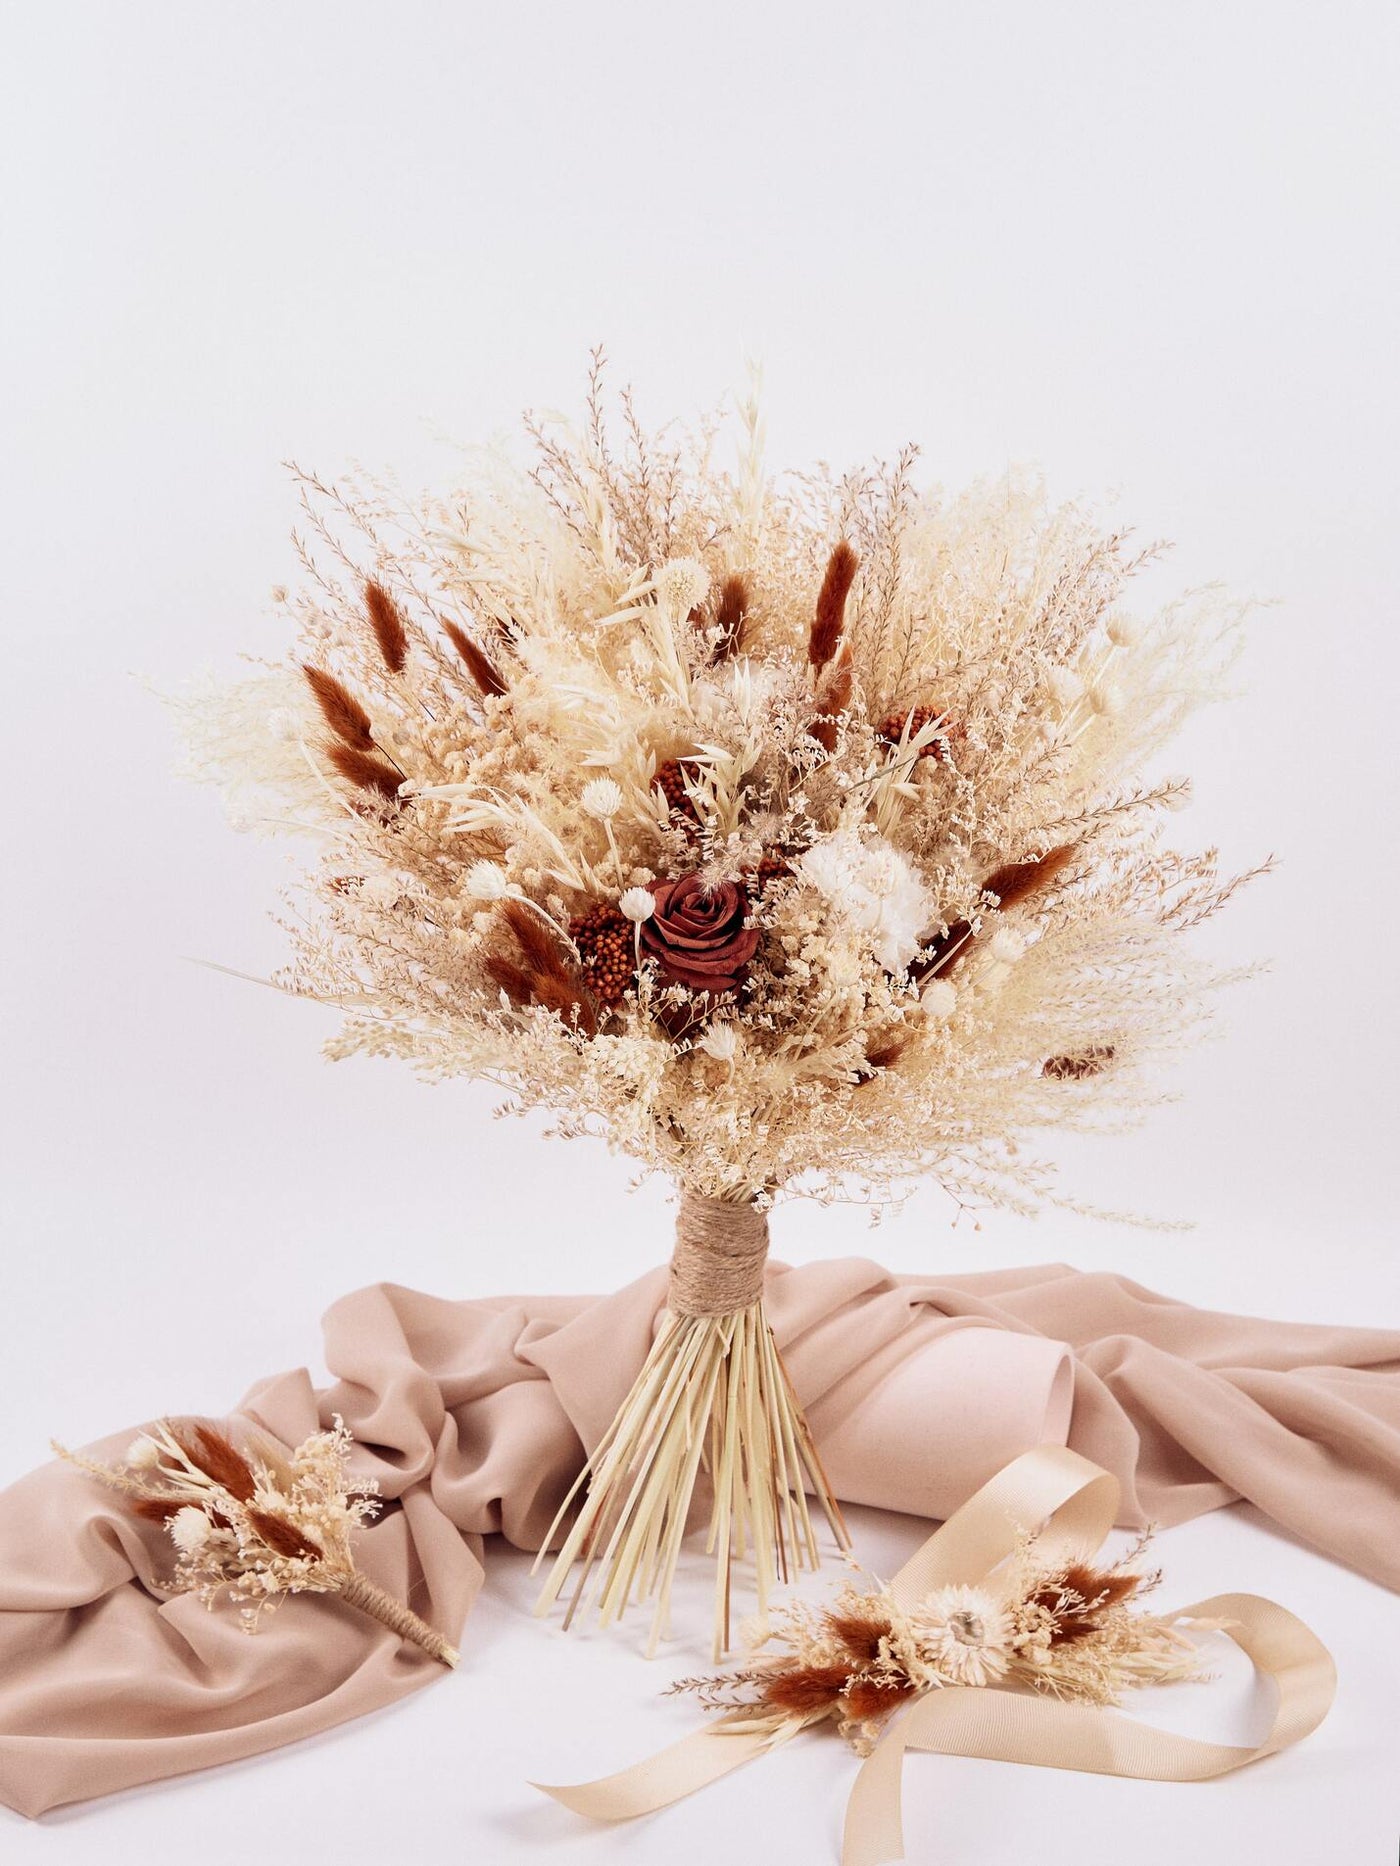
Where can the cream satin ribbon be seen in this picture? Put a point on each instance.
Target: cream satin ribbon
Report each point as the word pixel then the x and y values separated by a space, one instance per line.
pixel 1073 1503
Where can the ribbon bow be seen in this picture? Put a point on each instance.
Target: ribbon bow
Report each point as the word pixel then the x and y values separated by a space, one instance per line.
pixel 1074 1503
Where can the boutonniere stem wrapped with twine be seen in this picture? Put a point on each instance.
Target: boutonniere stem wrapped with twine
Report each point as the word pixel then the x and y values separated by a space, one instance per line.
pixel 1006 1637
pixel 255 1525
pixel 797 835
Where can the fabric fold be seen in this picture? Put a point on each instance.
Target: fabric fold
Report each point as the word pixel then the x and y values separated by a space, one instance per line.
pixel 474 1417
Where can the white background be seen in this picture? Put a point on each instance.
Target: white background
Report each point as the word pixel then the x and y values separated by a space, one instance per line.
pixel 1153 248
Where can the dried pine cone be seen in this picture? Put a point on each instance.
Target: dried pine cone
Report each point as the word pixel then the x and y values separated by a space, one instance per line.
pixel 606 946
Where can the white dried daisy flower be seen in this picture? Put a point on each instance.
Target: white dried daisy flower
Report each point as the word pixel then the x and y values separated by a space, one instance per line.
pixel 189 1530
pixel 485 881
pixel 870 886
pixel 602 797
pixel 681 584
pixel 720 1041
pixel 963 1635
pixel 939 998
pixel 637 904
pixel 142 1453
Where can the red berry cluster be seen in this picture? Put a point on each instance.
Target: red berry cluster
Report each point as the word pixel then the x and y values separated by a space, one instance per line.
pixel 670 779
pixel 773 865
pixel 606 946
pixel 891 729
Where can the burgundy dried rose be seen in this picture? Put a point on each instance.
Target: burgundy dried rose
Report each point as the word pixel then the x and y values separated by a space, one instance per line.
pixel 697 935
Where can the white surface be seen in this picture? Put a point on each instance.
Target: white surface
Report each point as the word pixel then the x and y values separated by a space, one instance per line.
pixel 1153 248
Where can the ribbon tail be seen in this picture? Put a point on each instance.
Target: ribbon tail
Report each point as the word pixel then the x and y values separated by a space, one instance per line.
pixel 670 1775
pixel 874 1829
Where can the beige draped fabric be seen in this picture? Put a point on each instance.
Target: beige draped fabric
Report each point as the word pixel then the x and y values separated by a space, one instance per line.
pixel 473 1416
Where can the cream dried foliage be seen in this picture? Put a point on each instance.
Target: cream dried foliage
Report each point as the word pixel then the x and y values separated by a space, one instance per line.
pixel 612 682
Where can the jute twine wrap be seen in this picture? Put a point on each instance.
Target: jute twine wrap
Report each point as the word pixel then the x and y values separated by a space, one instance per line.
pixel 717 1265
pixel 363 1593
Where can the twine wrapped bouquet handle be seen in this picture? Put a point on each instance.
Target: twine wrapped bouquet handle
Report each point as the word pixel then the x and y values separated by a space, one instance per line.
pixel 718 1263
pixel 712 1395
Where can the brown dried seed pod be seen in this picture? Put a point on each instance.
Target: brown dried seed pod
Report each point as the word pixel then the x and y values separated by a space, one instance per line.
pixel 607 946
pixel 892 730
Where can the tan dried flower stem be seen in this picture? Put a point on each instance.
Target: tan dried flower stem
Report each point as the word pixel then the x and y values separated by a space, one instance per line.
pixel 713 1392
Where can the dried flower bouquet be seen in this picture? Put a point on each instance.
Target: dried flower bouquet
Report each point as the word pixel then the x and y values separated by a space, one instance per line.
pixel 791 834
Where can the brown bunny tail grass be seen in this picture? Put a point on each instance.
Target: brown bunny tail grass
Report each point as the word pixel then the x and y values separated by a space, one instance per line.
pixel 807 1689
pixel 866 1699
pixel 489 680
pixel 541 946
pixel 365 771
pixel 859 1633
pixel 512 979
pixel 341 711
pixel 1081 1595
pixel 157 1509
pixel 730 613
pixel 559 993
pixel 830 615
pixel 1079 1067
pixel 282 1538
pixel 834 699
pixel 220 1459
pixel 386 620
pixel 1012 884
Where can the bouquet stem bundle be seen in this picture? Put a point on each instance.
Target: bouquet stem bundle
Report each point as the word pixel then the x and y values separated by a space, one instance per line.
pixel 713 1395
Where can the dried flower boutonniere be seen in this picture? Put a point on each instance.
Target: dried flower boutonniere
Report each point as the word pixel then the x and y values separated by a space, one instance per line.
pixel 257 1524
